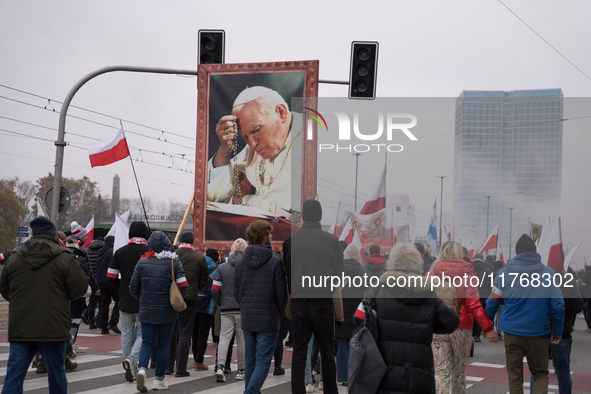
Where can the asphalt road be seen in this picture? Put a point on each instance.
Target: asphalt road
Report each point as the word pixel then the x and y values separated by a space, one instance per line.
pixel 99 369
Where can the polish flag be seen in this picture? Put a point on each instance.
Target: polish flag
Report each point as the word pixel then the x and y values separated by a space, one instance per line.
pixel 491 242
pixel 570 255
pixel 377 200
pixel 109 151
pixel 551 249
pixel 89 232
pixel 501 258
pixel 350 235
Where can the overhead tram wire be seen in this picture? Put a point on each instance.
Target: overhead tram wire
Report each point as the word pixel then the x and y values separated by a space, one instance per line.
pixel 106 171
pixel 177 155
pixel 543 39
pixel 86 149
pixel 92 111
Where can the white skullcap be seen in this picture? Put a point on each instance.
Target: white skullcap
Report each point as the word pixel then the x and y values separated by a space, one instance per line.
pixel 251 94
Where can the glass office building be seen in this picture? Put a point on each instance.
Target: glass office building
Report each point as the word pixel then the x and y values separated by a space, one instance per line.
pixel 508 146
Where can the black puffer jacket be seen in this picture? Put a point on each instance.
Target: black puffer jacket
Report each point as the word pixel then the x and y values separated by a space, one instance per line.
pixel 124 260
pixel 105 256
pixel 351 298
pixel 223 285
pixel 407 319
pixel 260 289
pixel 93 250
pixel 151 279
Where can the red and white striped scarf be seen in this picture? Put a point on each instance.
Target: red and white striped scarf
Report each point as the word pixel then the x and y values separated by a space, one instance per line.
pixel 138 241
pixel 186 246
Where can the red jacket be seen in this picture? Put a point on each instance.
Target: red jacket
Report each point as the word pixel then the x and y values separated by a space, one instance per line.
pixel 468 296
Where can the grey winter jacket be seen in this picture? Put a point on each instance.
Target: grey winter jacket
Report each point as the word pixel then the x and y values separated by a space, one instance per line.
pixel 223 285
pixel 151 280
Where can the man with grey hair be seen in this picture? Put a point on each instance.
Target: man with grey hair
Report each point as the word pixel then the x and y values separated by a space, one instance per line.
pixel 260 175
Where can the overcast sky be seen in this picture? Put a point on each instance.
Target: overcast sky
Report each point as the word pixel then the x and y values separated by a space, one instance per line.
pixel 427 49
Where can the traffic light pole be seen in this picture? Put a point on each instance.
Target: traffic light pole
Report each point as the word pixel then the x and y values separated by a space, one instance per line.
pixel 60 143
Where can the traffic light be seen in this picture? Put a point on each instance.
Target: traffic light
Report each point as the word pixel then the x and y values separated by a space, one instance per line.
pixel 211 46
pixel 364 70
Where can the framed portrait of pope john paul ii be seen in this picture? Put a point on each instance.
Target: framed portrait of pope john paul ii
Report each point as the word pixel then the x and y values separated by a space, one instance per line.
pixel 254 160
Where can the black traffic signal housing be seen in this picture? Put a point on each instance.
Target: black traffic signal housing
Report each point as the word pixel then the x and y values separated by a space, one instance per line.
pixel 211 46
pixel 364 70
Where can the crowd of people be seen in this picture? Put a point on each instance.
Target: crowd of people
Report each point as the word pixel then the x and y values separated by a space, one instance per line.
pixel 425 333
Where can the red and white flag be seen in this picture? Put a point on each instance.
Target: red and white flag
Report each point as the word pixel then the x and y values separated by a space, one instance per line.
pixel 350 235
pixel 501 258
pixel 109 151
pixel 491 242
pixel 89 232
pixel 551 248
pixel 377 199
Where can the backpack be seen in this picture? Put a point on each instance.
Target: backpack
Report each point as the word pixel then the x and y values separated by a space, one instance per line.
pixel 204 295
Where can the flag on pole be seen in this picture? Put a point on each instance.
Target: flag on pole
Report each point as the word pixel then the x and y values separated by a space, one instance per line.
pixel 551 248
pixel 109 151
pixel 89 232
pixel 377 199
pixel 41 209
pixel 491 242
pixel 432 232
pixel 121 232
pixel 350 235
pixel 1 256
pixel 570 255
pixel 501 258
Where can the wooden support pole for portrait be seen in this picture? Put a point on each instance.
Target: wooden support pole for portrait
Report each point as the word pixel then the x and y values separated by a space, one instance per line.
pixel 178 233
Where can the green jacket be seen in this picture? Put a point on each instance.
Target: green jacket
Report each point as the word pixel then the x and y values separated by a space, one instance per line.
pixel 39 280
pixel 196 271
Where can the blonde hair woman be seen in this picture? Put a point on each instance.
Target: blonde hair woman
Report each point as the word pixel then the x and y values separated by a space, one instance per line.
pixel 451 351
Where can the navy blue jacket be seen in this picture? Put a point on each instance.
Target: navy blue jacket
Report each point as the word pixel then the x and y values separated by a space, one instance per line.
pixel 151 280
pixel 260 289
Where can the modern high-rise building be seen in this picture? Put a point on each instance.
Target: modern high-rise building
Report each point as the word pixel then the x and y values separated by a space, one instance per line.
pixel 508 154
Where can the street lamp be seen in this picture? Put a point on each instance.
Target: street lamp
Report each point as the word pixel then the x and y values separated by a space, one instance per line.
pixel 356 171
pixel 487 206
pixel 440 209
pixel 510 226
